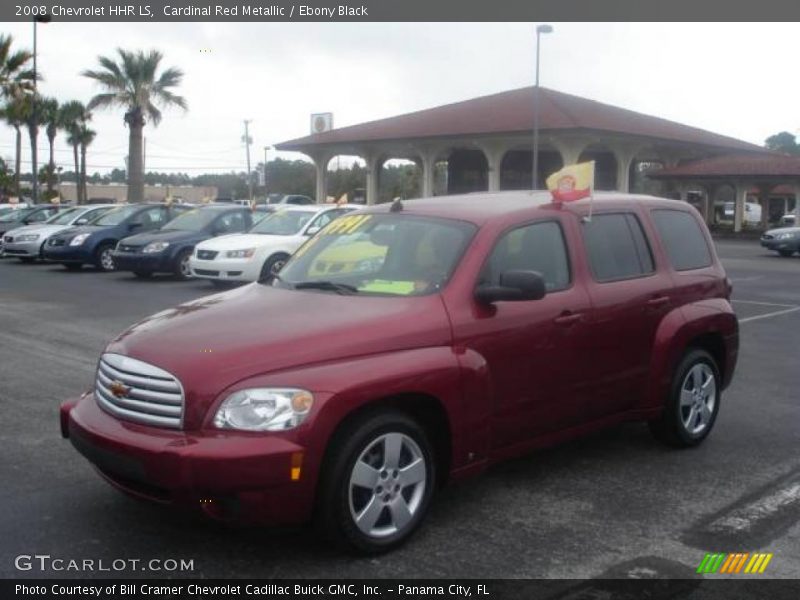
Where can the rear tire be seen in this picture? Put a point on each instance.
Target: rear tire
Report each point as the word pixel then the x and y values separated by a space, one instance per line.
pixel 377 482
pixel 182 269
pixel 693 403
pixel 103 259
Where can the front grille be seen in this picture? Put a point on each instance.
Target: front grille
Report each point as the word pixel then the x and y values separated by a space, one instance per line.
pixel 127 248
pixel 206 272
pixel 56 242
pixel 207 254
pixel 133 390
pixel 16 252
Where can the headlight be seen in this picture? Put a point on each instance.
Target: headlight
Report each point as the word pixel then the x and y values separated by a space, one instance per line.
pixel 264 409
pixel 28 238
pixel 155 247
pixel 785 236
pixel 246 253
pixel 78 239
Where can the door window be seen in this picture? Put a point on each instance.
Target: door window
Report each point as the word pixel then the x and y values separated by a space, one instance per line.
pixel 233 222
pixel 536 247
pixel 152 218
pixel 683 239
pixel 617 247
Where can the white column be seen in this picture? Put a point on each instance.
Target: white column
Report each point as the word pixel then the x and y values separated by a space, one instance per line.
pixel 322 180
pixel 570 149
pixel 738 206
pixel 428 163
pixel 623 172
pixel 494 151
pixel 373 173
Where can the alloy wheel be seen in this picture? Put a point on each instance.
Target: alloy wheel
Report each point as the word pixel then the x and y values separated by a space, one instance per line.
pixel 107 260
pixel 698 398
pixel 387 485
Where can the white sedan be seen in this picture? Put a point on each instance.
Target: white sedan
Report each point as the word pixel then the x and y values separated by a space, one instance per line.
pixel 266 247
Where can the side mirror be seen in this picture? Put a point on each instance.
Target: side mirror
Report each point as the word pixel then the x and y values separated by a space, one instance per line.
pixel 82 221
pixel 313 230
pixel 514 286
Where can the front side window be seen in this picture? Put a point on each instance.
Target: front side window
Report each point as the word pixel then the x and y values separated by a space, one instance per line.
pixel 233 222
pixel 65 217
pixel 192 220
pixel 683 239
pixel 536 247
pixel 385 254
pixel 617 247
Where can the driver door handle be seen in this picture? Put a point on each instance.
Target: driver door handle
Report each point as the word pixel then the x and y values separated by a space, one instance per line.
pixel 658 301
pixel 568 318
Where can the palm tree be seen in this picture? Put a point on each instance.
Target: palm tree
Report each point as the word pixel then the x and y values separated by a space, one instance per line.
pixel 133 84
pixel 51 116
pixel 13 114
pixel 85 137
pixel 34 119
pixel 73 117
pixel 15 78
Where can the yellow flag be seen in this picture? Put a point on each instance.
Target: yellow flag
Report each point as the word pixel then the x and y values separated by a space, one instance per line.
pixel 573 182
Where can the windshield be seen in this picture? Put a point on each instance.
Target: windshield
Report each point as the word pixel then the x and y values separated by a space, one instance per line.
pixel 193 220
pixel 64 217
pixel 16 215
pixel 284 222
pixel 116 216
pixel 385 254
pixel 5 210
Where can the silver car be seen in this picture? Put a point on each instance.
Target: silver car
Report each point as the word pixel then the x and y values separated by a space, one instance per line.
pixel 26 242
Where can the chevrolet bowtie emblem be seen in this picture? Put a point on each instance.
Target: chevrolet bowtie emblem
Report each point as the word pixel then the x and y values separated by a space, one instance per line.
pixel 118 389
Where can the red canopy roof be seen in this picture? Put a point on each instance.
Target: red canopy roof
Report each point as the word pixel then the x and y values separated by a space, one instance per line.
pixel 767 165
pixel 512 112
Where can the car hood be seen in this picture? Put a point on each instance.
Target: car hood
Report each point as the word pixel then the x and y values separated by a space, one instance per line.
pixel 43 230
pixel 73 231
pixel 794 230
pixel 214 342
pixel 173 236
pixel 240 241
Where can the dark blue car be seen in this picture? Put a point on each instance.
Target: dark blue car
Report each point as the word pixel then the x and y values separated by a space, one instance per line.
pixel 168 250
pixel 94 243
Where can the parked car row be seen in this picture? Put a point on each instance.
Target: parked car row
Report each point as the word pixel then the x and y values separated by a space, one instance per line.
pixel 224 242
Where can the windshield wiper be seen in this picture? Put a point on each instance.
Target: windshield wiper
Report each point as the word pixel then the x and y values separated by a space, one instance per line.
pixel 329 286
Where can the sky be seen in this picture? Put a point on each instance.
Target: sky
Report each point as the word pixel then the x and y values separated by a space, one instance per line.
pixel 735 79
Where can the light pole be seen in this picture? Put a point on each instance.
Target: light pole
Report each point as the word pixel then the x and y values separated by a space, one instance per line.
pixel 58 180
pixel 45 18
pixel 265 169
pixel 247 141
pixel 535 168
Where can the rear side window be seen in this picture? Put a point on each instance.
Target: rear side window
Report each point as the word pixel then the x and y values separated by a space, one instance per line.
pixel 617 247
pixel 536 247
pixel 683 239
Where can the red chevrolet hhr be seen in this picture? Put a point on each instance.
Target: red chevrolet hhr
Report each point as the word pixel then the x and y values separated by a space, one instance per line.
pixel 410 344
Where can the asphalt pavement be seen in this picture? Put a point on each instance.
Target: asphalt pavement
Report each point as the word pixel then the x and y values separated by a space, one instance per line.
pixel 614 504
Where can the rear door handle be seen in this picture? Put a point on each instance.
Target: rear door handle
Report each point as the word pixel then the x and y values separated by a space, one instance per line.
pixel 568 318
pixel 659 301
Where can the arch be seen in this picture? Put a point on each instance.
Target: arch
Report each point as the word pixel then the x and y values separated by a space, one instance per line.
pixel 345 175
pixel 399 178
pixel 467 171
pixel 605 166
pixel 516 166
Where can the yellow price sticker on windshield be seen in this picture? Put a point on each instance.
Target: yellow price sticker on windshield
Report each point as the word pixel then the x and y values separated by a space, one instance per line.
pixel 348 224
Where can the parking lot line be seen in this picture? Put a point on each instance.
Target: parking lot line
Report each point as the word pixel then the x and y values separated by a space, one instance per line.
pixel 765 303
pixel 770 314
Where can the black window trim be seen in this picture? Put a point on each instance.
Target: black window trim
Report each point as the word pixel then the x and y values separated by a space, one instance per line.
pixel 510 228
pixel 647 241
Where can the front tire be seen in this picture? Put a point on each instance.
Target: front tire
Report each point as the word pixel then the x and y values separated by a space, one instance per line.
pixel 104 260
pixel 378 481
pixel 272 266
pixel 693 404
pixel 183 270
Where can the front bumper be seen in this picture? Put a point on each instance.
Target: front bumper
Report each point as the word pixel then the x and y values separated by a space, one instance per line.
pixel 230 269
pixel 31 249
pixel 67 254
pixel 236 476
pixel 776 244
pixel 156 262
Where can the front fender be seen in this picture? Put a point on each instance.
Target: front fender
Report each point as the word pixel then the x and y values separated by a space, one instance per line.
pixel 675 333
pixel 344 386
